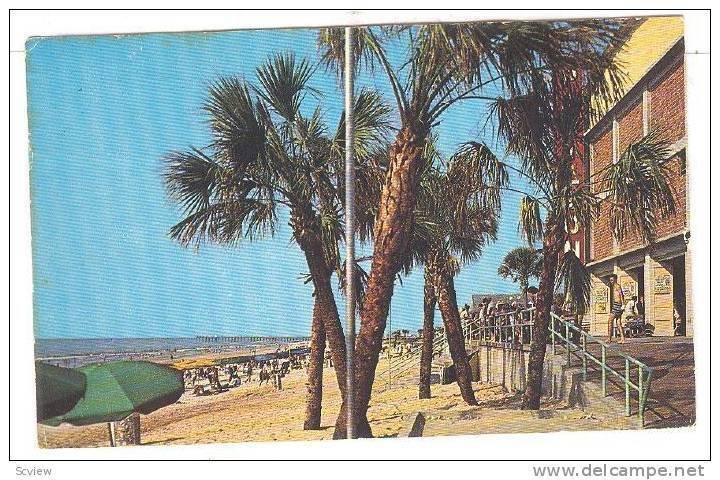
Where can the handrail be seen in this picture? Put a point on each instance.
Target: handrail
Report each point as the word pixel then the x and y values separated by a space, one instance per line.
pixel 559 329
pixel 500 332
pixel 412 358
pixel 644 372
pixel 560 333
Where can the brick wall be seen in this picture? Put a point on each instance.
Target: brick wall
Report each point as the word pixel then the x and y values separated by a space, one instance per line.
pixel 630 125
pixel 677 222
pixel 630 129
pixel 667 116
pixel 602 242
pixel 667 104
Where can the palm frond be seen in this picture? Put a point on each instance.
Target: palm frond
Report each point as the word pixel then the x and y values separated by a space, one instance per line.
pixel 238 135
pixel 284 82
pixel 531 225
pixel 223 222
pixel 573 275
pixel 372 125
pixel 191 178
pixel 469 239
pixel 476 170
pixel 360 279
pixel 639 187
pixel 331 42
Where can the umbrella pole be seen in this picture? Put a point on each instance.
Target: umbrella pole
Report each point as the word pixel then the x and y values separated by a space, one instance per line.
pixel 111 432
pixel 135 422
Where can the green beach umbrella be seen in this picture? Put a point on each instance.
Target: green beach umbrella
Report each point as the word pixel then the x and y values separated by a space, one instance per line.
pixel 58 389
pixel 117 389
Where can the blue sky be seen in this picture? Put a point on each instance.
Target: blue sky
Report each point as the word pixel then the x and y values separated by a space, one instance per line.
pixel 103 111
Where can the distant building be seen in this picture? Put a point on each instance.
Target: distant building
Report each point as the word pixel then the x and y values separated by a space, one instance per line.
pixel 654 101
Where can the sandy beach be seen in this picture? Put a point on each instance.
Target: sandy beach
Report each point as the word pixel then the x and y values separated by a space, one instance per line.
pixel 252 413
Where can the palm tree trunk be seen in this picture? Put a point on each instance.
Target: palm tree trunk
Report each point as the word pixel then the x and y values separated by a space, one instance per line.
pixel 392 232
pixel 447 301
pixel 552 245
pixel 313 406
pixel 325 299
pixel 428 335
pixel 305 226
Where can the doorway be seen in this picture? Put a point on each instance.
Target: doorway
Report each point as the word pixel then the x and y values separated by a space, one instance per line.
pixel 678 279
pixel 638 274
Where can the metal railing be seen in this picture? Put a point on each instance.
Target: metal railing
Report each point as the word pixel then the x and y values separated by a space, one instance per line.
pixel 560 333
pixel 411 358
pixel 516 328
pixel 506 329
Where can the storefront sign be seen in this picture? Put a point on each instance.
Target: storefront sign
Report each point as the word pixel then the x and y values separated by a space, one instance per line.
pixel 663 283
pixel 629 287
pixel 600 300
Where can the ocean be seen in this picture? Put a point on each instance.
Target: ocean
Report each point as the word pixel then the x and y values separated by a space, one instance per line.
pixel 73 352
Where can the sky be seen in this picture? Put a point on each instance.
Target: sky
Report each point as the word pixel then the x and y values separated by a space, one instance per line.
pixel 103 112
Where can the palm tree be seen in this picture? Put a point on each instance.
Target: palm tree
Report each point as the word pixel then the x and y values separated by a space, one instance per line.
pixel 267 154
pixel 445 64
pixel 519 265
pixel 456 215
pixel 544 126
pixel 428 335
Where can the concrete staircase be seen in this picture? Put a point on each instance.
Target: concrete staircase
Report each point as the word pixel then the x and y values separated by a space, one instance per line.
pixel 397 368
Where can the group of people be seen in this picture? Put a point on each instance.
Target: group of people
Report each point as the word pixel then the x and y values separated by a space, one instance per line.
pixel 196 378
pixel 274 371
pixel 206 380
pixel 400 349
pixel 500 322
pixel 630 310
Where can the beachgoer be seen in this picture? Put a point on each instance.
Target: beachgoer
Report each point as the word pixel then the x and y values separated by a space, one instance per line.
pixel 617 302
pixel 631 308
pixel 264 374
pixel 532 292
pixel 677 322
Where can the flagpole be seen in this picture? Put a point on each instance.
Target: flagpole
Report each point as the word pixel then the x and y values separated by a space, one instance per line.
pixel 349 231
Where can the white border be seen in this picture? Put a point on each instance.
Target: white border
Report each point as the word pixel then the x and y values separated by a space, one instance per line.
pixel 687 443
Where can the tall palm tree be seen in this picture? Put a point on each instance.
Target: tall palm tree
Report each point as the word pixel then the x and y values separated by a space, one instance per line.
pixel 456 214
pixel 445 64
pixel 544 126
pixel 519 265
pixel 267 153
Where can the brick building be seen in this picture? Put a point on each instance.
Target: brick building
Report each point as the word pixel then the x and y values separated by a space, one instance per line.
pixel 654 101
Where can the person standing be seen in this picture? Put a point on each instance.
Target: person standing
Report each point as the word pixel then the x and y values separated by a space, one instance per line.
pixel 640 306
pixel 532 292
pixel 617 306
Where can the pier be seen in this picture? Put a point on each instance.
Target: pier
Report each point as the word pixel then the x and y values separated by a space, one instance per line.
pixel 250 339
